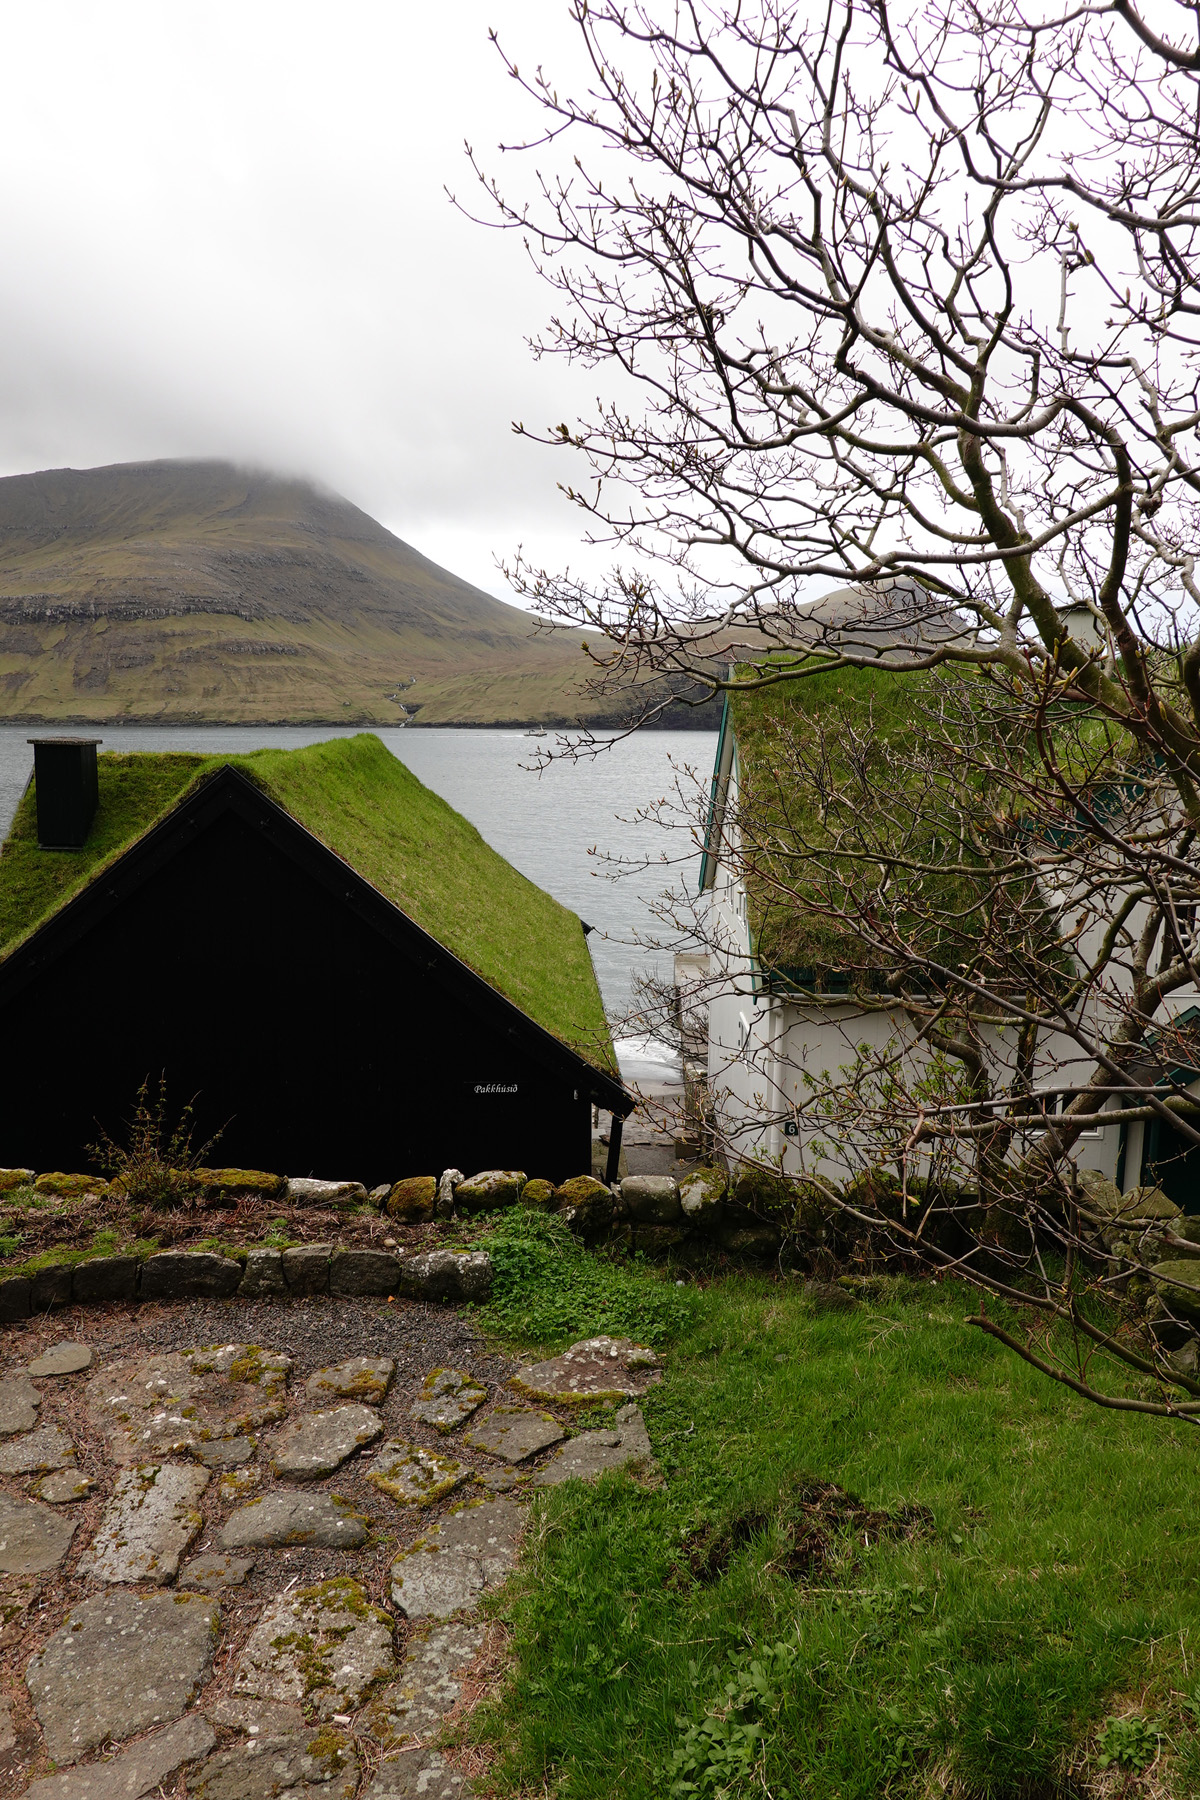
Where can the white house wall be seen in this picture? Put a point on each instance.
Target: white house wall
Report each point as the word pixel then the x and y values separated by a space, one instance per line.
pixel 760 1047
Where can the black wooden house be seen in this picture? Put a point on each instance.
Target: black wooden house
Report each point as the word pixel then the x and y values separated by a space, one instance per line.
pixel 311 944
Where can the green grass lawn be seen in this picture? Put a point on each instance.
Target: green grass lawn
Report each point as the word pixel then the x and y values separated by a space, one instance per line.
pixel 716 1636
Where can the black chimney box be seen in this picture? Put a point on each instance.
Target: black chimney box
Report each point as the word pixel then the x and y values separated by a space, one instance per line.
pixel 64 773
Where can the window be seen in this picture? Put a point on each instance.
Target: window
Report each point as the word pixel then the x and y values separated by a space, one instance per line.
pixel 1063 1101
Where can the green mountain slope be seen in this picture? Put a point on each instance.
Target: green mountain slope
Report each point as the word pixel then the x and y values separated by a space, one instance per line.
pixel 198 590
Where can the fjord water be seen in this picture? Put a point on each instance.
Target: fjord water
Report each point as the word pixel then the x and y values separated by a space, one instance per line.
pixel 548 825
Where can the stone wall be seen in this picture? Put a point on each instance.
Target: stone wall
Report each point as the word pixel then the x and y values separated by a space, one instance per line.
pixel 650 1214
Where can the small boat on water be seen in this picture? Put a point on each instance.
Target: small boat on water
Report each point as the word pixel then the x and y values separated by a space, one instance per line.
pixel 537 733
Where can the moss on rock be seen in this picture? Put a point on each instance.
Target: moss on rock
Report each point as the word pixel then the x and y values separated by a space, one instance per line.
pixel 70 1187
pixel 762 1193
pixel 579 1190
pixel 238 1182
pixel 538 1193
pixel 702 1200
pixel 412 1201
pixel 489 1191
pixel 586 1206
pixel 1178 1284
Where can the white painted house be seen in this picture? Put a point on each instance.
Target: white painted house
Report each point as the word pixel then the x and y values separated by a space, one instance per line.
pixel 762 1037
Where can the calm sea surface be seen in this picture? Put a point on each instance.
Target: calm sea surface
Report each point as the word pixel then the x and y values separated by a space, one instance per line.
pixel 556 827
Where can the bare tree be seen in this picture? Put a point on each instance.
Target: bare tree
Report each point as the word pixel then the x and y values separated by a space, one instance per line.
pixel 912 304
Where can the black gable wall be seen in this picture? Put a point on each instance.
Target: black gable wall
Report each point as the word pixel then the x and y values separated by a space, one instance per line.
pixel 320 1045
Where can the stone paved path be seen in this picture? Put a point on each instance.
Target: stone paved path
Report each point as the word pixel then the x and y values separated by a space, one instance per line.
pixel 245 1571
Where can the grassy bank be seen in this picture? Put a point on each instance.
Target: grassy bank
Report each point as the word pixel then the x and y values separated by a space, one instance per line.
pixel 1022 1571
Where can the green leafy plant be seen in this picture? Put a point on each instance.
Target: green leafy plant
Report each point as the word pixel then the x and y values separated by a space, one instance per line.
pixel 153 1167
pixel 548 1289
pixel 1130 1743
pixel 720 1754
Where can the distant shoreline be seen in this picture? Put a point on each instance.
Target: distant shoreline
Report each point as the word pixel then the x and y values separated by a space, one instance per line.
pixel 206 722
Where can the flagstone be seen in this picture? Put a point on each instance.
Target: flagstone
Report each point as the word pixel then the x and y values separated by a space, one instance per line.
pixel 414 1476
pixel 428 1683
pixel 147 1766
pixel 514 1432
pixel 213 1572
pixel 148 1524
pixel 594 1370
pixel 589 1455
pixel 315 1444
pixel 62 1359
pixel 175 1401
pixel 418 1774
pixel 34 1452
pixel 358 1378
pixel 296 1765
pixel 448 1397
pixel 288 1516
pixel 32 1538
pixel 121 1662
pixel 470 1550
pixel 62 1486
pixel 323 1647
pixel 19 1401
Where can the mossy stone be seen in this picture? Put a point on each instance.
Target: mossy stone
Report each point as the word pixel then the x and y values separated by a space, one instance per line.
pixel 578 1190
pixel 1183 1300
pixel 14 1178
pixel 69 1187
pixel 651 1199
pixel 586 1205
pixel 750 1243
pixel 489 1190
pixel 1098 1192
pixel 762 1193
pixel 700 1197
pixel 538 1193
pixel 1189 1230
pixel 1144 1204
pixel 658 1240
pixel 238 1182
pixel 412 1201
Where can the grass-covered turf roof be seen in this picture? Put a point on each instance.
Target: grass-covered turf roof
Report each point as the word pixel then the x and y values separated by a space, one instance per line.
pixel 370 810
pixel 835 766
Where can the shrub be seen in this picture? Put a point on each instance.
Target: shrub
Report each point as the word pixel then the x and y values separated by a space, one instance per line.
pixel 157 1165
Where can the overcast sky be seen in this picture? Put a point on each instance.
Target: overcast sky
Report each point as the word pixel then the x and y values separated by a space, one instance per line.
pixel 225 234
